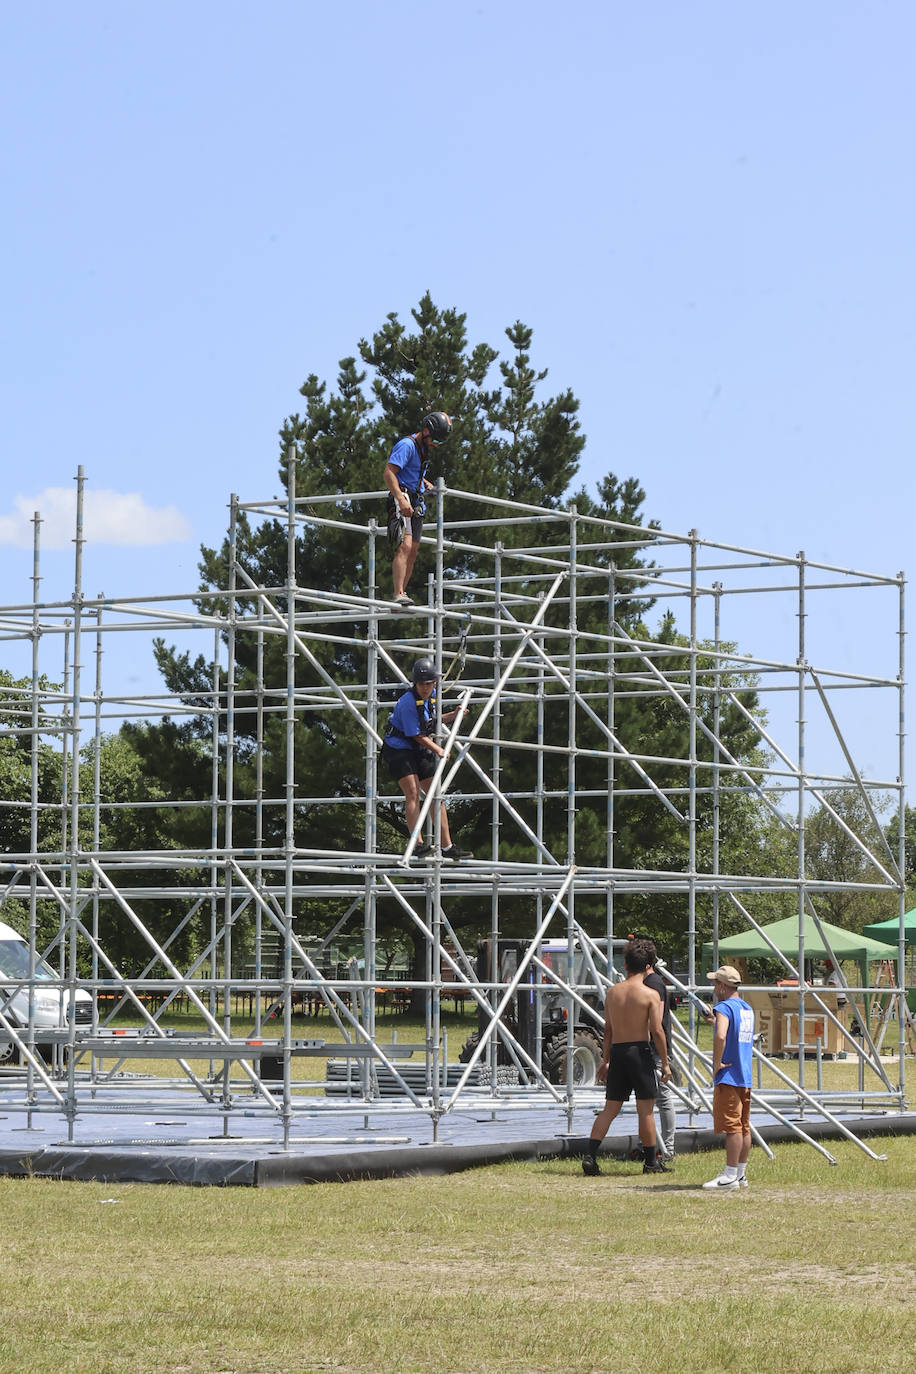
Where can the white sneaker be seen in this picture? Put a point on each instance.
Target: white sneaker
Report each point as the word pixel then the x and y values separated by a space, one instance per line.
pixel 742 1181
pixel 722 1184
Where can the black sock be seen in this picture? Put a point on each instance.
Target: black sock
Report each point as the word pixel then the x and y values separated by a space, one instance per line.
pixel 650 1151
pixel 593 1147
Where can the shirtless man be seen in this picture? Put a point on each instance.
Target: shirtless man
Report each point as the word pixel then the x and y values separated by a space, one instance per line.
pixel 632 1013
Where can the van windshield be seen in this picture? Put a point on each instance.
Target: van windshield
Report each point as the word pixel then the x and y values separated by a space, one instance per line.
pixel 14 961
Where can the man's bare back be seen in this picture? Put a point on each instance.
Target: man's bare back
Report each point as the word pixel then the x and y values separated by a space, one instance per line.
pixel 629 1008
pixel 633 1013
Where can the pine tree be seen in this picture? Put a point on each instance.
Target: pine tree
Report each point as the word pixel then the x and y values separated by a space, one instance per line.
pixel 510 441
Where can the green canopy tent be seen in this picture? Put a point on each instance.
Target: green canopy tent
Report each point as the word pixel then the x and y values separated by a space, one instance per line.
pixel 888 932
pixel 844 944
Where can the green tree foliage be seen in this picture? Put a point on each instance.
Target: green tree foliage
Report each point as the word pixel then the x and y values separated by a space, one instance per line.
pixel 652 723
pixel 151 781
pixel 26 758
pixel 909 849
pixel 506 442
pixel 141 773
pixel 509 440
pixel 832 855
pixel 18 759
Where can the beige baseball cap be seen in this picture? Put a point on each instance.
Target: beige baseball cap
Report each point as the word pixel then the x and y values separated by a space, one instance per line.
pixel 726 974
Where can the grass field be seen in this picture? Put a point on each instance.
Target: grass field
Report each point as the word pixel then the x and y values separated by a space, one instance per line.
pixel 515 1268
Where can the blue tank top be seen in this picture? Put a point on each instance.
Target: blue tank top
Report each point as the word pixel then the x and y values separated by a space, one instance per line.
pixel 738 1054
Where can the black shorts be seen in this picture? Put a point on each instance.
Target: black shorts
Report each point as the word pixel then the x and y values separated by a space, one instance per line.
pixel 402 762
pixel 398 523
pixel 631 1070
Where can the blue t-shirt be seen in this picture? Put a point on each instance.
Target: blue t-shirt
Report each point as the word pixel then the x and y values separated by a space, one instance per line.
pixel 738 1055
pixel 410 717
pixel 405 457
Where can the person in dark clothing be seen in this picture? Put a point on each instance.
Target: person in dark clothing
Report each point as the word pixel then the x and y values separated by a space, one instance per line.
pixel 412 754
pixel 632 1014
pixel 665 1100
pixel 407 483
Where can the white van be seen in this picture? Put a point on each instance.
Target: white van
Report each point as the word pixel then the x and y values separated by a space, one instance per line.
pixel 51 1004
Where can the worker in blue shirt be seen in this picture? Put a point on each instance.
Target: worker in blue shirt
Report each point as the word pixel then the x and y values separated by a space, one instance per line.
pixel 732 1062
pixel 411 753
pixel 407 483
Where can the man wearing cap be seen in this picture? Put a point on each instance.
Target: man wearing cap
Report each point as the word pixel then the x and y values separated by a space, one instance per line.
pixel 407 483
pixel 732 1059
pixel 411 752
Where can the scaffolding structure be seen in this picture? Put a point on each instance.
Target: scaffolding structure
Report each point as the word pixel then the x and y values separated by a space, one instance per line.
pixel 537 617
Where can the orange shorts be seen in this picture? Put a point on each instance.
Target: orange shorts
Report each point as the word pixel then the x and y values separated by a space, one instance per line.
pixel 731 1109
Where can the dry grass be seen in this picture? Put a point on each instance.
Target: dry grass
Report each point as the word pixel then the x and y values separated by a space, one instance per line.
pixel 518 1268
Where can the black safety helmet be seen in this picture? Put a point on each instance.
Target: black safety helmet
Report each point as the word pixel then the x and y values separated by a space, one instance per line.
pixel 439 426
pixel 424 670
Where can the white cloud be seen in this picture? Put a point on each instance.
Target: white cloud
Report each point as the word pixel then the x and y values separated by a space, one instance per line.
pixel 109 517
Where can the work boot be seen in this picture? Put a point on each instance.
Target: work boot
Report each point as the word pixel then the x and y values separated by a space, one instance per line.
pixel 590 1165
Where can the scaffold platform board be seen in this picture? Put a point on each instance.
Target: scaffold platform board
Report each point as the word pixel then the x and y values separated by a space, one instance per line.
pixel 179 1143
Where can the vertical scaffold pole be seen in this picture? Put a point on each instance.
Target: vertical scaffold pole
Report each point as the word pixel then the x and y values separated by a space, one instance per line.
pixel 495 816
pixel 539 641
pixel 692 755
pixel 716 727
pixel 571 814
pixel 74 851
pixel 215 794
pixel 229 827
pixel 34 756
pixel 434 917
pixel 802 789
pixel 370 827
pixel 66 745
pixel 96 817
pixel 259 825
pixel 903 1006
pixel 611 758
pixel 289 837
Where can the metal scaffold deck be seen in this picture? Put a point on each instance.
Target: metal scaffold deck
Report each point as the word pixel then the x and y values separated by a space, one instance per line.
pixel 183 972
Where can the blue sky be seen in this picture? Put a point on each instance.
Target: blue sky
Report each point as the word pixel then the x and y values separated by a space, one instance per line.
pixel 703 210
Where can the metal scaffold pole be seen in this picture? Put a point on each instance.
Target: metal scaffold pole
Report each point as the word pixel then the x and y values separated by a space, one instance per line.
pixel 596 777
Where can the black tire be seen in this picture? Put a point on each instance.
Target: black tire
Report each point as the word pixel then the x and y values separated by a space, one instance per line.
pixel 586 1058
pixel 9 1054
pixel 502 1054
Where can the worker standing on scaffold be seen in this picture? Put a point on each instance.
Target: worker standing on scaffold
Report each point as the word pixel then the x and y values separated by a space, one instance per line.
pixel 407 483
pixel 411 753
